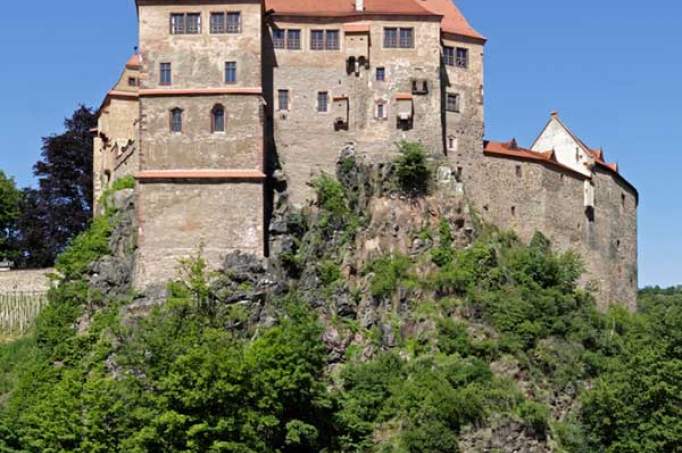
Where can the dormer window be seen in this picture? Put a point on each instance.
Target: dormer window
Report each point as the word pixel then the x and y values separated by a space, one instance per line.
pixel 176 120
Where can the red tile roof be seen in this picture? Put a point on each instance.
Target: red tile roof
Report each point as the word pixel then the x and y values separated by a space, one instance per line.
pixel 134 62
pixel 345 7
pixel 511 149
pixel 453 20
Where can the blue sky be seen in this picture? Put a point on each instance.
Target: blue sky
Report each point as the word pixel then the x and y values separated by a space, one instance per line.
pixel 612 69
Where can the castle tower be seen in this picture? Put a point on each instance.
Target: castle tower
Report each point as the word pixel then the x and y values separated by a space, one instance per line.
pixel 200 180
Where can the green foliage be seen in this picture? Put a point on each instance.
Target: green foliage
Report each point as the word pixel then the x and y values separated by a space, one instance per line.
pixel 412 170
pixel 125 182
pixel 390 272
pixel 85 248
pixel 444 253
pixel 10 198
pixel 536 416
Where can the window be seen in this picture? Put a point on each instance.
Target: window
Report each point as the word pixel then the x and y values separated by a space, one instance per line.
pixel 193 24
pixel 322 102
pixel 218 119
pixel 217 22
pixel 381 110
pixel 398 38
pixel 462 60
pixel 406 38
pixel 513 211
pixel 518 171
pixel 176 120
pixel 390 38
pixel 453 103
pixel 452 143
pixel 132 81
pixel 231 72
pixel 449 56
pixel 234 22
pixel 177 24
pixel 381 74
pixel 332 40
pixel 622 200
pixel 185 23
pixel 324 40
pixel 294 39
pixel 317 40
pixel 278 39
pixel 283 98
pixel 165 74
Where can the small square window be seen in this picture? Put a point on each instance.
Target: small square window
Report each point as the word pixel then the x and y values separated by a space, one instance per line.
pixel 453 103
pixel 322 102
pixel 132 81
pixel 283 100
pixel 231 72
pixel 381 74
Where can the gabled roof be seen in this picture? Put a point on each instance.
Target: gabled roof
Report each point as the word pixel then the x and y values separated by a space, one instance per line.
pixel 596 154
pixel 454 21
pixel 511 149
pixel 346 7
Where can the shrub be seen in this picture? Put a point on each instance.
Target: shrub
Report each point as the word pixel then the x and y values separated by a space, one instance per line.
pixel 536 416
pixel 412 170
pixel 389 273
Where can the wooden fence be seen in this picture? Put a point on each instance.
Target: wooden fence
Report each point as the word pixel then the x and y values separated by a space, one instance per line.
pixel 19 309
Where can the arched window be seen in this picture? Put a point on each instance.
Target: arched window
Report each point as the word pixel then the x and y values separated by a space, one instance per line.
pixel 176 120
pixel 218 119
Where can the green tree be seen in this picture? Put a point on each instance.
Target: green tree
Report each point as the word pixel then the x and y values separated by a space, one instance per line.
pixel 10 199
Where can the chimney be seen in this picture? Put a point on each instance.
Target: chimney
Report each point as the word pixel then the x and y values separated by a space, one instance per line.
pixel 359 5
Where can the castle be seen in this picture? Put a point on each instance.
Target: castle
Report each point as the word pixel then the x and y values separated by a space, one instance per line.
pixel 224 92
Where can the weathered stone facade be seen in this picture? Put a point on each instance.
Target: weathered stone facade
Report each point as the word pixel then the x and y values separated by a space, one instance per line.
pixel 307 79
pixel 28 281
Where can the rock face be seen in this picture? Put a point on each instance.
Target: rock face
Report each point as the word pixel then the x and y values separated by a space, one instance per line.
pixel 503 434
pixel 113 274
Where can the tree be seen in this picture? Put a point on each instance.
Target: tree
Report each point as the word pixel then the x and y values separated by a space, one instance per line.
pixel 61 206
pixel 10 198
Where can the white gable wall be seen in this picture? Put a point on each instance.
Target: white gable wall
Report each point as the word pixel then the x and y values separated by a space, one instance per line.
pixel 556 137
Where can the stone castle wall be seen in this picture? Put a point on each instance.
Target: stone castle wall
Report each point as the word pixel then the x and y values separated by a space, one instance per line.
pixel 527 196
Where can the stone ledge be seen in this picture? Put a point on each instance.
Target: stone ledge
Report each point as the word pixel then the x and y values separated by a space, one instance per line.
pixel 164 175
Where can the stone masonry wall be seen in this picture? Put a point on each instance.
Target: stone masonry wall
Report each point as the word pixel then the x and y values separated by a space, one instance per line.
pixel 528 197
pixel 177 219
pixel 306 142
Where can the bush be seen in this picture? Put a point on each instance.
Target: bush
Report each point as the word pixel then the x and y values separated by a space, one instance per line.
pixel 389 273
pixel 412 171
pixel 536 416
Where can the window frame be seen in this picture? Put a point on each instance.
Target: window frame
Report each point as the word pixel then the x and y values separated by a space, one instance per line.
pixel 276 40
pixel 449 55
pixel 337 43
pixel 231 68
pixel 322 95
pixel 317 39
pixel 398 42
pixel 287 94
pixel 457 108
pixel 236 30
pixel 162 71
pixel 461 58
pixel 217 30
pixel 218 108
pixel 173 121
pixel 380 70
pixel 298 40
pixel 383 115
pixel 183 28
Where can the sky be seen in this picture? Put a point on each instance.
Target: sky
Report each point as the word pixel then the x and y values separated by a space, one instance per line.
pixel 611 68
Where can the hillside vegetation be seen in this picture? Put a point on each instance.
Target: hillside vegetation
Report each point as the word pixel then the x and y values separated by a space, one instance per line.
pixel 439 348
